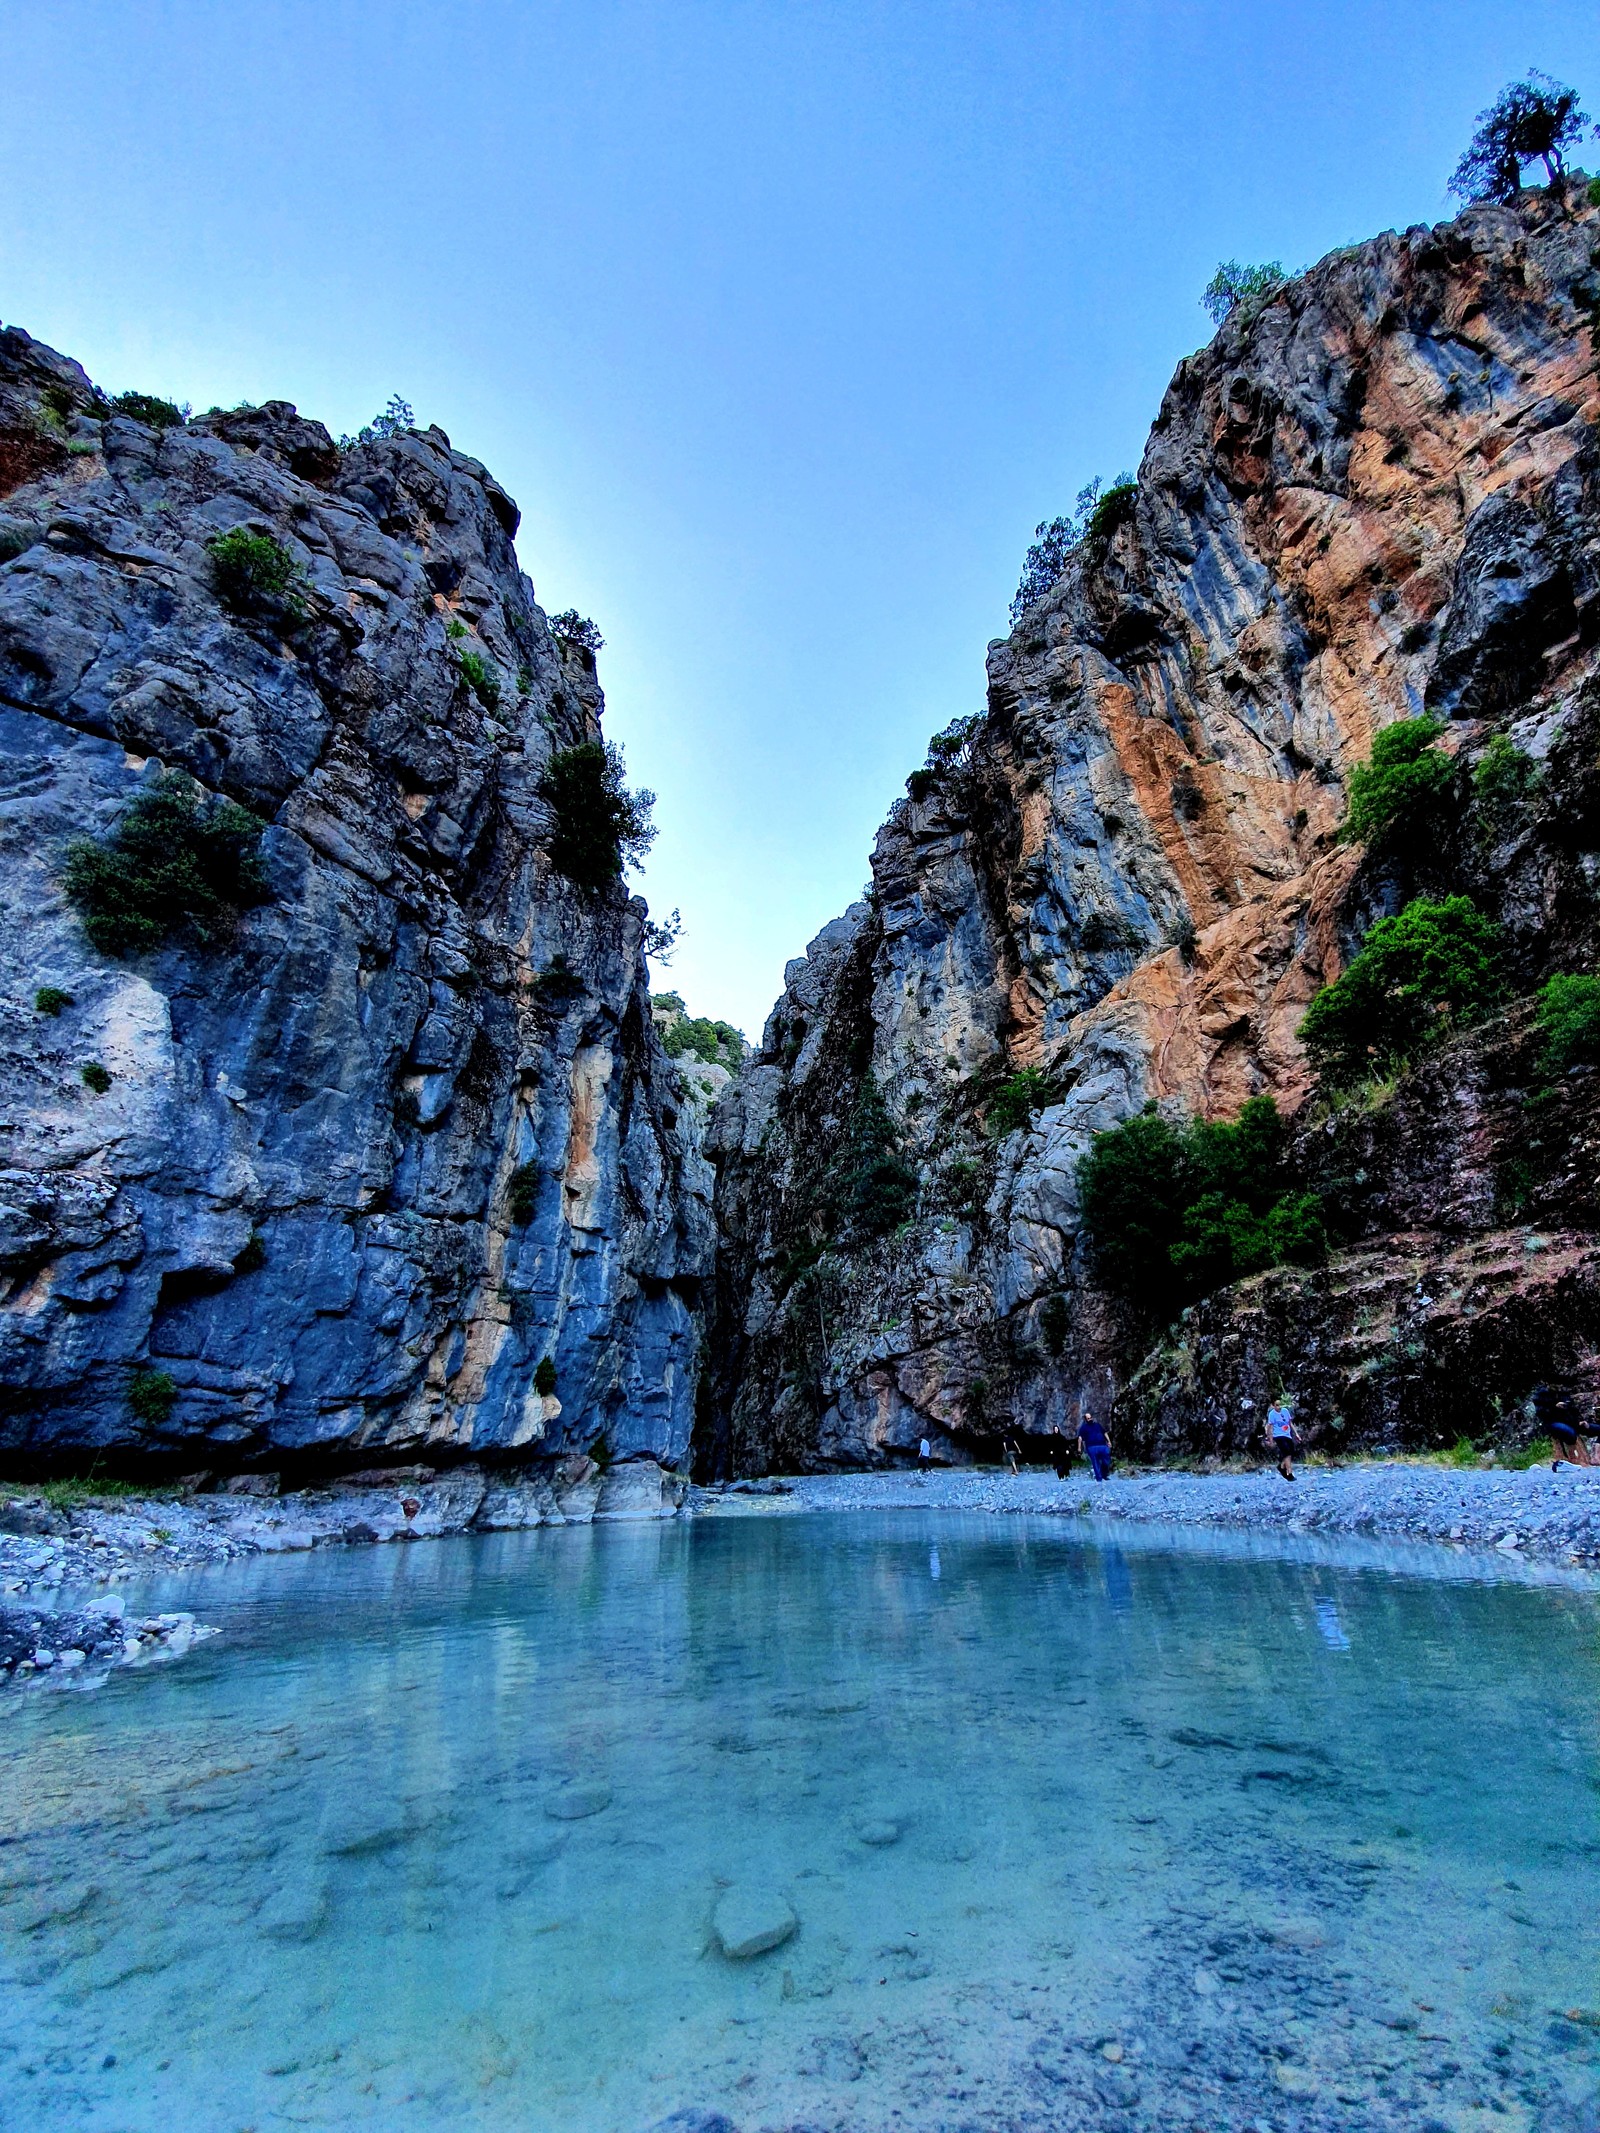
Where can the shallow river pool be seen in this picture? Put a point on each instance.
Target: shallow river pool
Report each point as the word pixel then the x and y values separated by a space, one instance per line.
pixel 1133 1832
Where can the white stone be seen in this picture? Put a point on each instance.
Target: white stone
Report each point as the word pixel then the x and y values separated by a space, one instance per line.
pixel 750 1921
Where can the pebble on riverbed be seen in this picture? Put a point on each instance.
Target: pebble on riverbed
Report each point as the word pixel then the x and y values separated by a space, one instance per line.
pixel 749 1921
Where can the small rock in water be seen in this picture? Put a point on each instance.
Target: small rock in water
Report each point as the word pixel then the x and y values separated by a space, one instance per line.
pixel 1205 1982
pixel 575 1803
pixel 752 1921
pixel 879 1830
pixel 299 1910
pixel 1112 2051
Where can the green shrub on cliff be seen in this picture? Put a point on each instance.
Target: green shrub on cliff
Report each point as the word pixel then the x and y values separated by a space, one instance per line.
pixel 151 1394
pixel 573 628
pixel 151 409
pixel 1402 780
pixel 1432 969
pixel 481 679
pixel 1569 1015
pixel 1016 1100
pixel 1174 1211
pixel 599 825
pixel 872 1187
pixel 255 574
pixel 178 859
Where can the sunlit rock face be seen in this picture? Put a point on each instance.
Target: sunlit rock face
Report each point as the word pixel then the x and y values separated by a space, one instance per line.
pixel 295 1198
pixel 1375 496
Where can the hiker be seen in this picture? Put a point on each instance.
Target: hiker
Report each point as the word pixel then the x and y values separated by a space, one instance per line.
pixel 1553 1411
pixel 1009 1446
pixel 1095 1446
pixel 924 1456
pixel 1281 1437
pixel 1062 1448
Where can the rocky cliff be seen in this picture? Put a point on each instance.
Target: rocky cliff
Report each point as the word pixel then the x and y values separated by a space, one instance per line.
pixel 363 1160
pixel 1376 494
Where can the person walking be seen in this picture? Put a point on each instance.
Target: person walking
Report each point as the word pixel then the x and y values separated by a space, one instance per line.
pixel 1095 1446
pixel 1281 1436
pixel 1555 1413
pixel 924 1456
pixel 1062 1448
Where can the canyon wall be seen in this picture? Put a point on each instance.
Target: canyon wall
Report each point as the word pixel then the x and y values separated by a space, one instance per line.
pixel 405 1131
pixel 1376 494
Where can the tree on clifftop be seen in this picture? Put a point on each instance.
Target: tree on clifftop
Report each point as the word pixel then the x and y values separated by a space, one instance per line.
pixel 1531 121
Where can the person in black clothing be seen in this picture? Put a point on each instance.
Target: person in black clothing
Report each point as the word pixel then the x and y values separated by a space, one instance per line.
pixel 1062 1448
pixel 1556 1415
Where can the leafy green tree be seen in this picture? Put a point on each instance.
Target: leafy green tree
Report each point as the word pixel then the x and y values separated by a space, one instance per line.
pixel 1234 286
pixel 177 859
pixel 1569 1015
pixel 600 827
pixel 574 628
pixel 395 420
pixel 1097 514
pixel 1174 1212
pixel 149 408
pixel 1132 1186
pixel 1531 121
pixel 1431 969
pixel 1405 776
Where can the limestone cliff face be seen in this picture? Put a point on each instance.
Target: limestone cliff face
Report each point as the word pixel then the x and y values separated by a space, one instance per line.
pixel 295 1197
pixel 1376 496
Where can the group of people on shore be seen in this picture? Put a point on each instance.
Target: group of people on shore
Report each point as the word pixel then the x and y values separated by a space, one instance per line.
pixel 1575 1441
pixel 1091 1442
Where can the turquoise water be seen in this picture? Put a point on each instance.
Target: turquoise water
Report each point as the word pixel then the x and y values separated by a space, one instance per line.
pixel 1076 1832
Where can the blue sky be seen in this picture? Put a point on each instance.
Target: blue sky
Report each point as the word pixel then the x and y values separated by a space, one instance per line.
pixel 783 320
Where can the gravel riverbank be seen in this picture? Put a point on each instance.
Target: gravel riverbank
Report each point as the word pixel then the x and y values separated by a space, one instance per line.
pixel 1537 1514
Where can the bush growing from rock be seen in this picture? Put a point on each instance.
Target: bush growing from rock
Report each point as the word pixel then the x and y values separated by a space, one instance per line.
pixel 50 1000
pixel 1016 1100
pixel 481 679
pixel 1431 969
pixel 254 574
pixel 94 1076
pixel 544 1377
pixel 151 1394
pixel 600 826
pixel 1569 1015
pixel 874 1188
pixel 1504 775
pixel 1401 782
pixel 395 420
pixel 522 1192
pixel 177 859
pixel 1174 1211
pixel 149 408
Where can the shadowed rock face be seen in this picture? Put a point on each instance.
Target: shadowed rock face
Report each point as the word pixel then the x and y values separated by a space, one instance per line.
pixel 293 1199
pixel 1375 496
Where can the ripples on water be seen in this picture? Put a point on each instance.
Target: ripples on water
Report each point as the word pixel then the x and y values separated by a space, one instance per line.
pixel 1078 1832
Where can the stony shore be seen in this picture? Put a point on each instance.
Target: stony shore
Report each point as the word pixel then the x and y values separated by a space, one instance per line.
pixel 1537 1514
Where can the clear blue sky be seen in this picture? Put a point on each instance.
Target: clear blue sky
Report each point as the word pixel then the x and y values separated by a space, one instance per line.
pixel 784 320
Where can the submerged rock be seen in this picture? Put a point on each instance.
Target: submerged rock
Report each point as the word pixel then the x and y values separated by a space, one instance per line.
pixel 749 1921
pixel 577 1802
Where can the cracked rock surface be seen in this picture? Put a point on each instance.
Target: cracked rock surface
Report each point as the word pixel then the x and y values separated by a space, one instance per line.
pixel 1376 495
pixel 294 1197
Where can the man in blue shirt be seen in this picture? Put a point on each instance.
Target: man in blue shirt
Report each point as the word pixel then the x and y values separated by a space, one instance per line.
pixel 1095 1446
